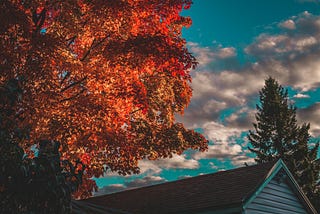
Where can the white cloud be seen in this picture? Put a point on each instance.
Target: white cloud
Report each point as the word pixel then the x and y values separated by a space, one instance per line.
pixel 220 151
pixel 288 24
pixel 154 167
pixel 145 181
pixel 204 54
pixel 241 160
pixel 149 167
pixel 213 166
pixel 219 133
pixel 223 142
pixel 299 95
pixel 177 162
pixel 226 52
pixel 207 55
pixel 184 177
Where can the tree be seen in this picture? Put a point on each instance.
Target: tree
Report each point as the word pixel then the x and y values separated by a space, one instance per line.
pixel 31 185
pixel 104 78
pixel 277 135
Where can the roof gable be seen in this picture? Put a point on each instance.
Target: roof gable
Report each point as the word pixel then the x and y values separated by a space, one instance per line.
pixel 277 197
pixel 280 172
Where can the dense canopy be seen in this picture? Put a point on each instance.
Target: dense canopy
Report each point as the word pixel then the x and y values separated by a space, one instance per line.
pixel 103 77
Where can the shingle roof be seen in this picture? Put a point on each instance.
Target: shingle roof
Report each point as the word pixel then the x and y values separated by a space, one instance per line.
pixel 221 189
pixel 83 207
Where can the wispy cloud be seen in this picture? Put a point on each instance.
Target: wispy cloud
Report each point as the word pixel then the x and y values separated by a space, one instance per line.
pixel 211 55
pixel 145 181
pixel 136 183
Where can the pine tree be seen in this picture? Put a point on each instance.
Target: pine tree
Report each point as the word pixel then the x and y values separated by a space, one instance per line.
pixel 276 126
pixel 277 135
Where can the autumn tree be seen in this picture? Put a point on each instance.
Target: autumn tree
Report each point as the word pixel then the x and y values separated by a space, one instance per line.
pixel 105 78
pixel 277 135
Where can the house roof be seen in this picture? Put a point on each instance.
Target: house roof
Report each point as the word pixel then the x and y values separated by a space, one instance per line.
pixel 83 207
pixel 230 188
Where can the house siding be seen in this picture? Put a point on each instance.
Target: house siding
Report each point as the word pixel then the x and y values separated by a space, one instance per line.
pixel 276 197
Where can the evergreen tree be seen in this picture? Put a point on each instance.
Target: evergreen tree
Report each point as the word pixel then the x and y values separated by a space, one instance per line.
pixel 277 135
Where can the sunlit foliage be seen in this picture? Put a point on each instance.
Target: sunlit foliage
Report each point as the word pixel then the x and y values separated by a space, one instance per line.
pixel 103 77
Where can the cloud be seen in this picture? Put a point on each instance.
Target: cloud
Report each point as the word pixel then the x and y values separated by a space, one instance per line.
pixel 207 55
pixel 220 151
pixel 145 181
pixel 288 24
pixel 213 166
pixel 292 56
pixel 311 114
pixel 153 167
pixel 204 54
pixel 110 189
pixel 226 52
pixel 136 183
pixel 219 133
pixel 241 119
pixel 177 162
pixel 148 167
pixel 224 145
pixel 300 95
pixel 149 173
pixel 241 160
pixel 184 177
pixel 223 142
pixel 215 92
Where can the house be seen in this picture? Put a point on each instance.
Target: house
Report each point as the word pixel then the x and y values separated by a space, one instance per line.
pixel 259 189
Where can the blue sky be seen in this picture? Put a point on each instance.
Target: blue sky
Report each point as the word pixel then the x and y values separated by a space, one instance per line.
pixel 238 44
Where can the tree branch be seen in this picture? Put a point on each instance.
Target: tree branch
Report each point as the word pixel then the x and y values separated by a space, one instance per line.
pixel 93 46
pixel 72 97
pixel 73 84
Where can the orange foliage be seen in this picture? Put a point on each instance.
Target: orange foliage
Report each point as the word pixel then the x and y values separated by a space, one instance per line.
pixel 103 77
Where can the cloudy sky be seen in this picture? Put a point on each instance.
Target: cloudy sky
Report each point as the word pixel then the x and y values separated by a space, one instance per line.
pixel 238 44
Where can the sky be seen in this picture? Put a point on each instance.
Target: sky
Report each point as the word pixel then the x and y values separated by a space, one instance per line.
pixel 238 44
